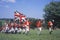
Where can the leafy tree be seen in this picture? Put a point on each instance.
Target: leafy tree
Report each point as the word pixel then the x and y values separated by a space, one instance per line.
pixel 52 12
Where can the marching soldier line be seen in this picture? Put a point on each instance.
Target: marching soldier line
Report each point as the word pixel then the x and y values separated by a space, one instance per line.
pixel 24 27
pixel 22 24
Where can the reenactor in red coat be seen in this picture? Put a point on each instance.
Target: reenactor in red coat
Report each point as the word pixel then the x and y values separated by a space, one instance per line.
pixel 19 28
pixel 12 28
pixel 39 26
pixel 27 26
pixel 50 26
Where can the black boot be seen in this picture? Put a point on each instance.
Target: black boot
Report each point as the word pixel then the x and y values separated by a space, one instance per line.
pixel 50 32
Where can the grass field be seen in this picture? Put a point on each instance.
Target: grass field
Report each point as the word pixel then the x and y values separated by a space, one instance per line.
pixel 32 36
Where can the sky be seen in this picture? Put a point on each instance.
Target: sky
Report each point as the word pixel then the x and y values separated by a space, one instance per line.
pixel 30 8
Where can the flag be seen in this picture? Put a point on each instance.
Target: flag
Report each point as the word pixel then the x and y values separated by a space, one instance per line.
pixel 19 16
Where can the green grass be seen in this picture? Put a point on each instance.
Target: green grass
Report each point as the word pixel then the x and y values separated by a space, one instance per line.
pixel 32 36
